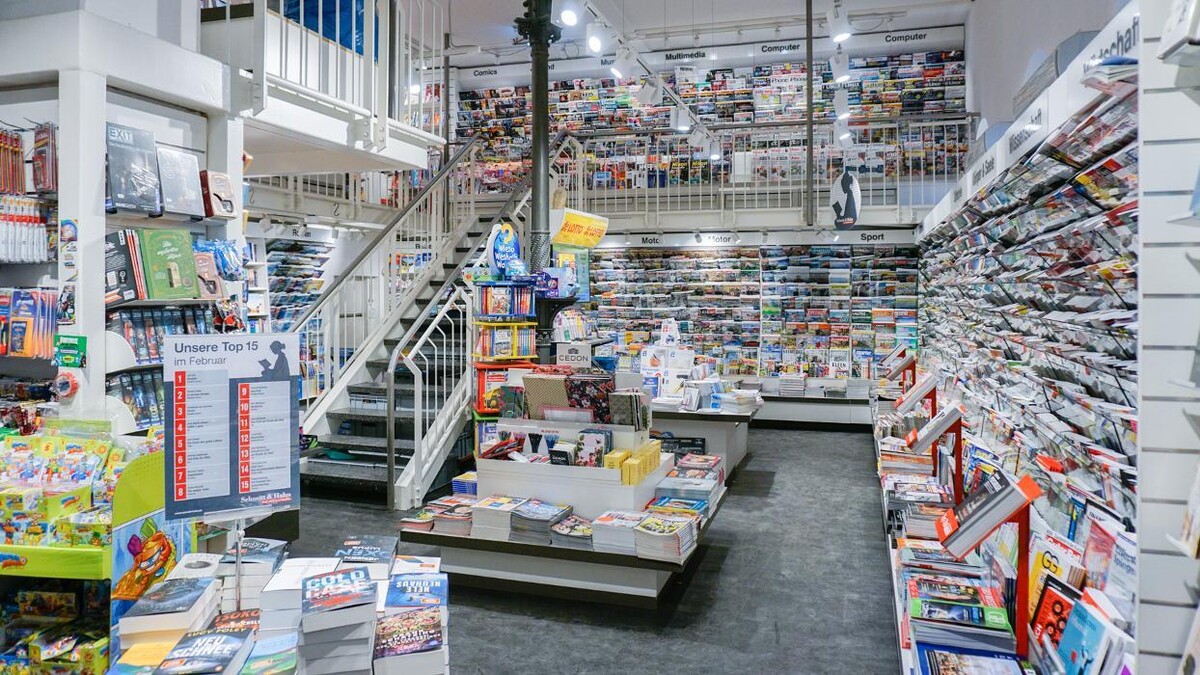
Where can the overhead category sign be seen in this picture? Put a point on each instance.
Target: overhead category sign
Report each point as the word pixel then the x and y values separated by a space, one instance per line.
pixel 569 227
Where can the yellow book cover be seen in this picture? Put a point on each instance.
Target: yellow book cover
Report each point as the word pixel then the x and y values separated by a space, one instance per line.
pixel 613 460
pixel 146 654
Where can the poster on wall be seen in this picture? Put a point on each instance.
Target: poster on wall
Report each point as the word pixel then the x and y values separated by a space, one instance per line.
pixel 233 425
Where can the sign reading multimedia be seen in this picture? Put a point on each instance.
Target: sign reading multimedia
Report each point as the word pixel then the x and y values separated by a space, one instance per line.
pixel 925 39
pixel 897 236
pixel 233 424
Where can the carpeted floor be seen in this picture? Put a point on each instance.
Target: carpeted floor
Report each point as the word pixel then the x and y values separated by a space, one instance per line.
pixel 792 578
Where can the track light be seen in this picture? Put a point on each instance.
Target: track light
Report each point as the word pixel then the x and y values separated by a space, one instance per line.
pixel 841 104
pixel 839 23
pixel 567 12
pixel 698 237
pixel 414 88
pixel 680 120
pixel 650 93
pixel 625 63
pixel 714 150
pixel 842 136
pixel 597 36
pixel 839 67
pixel 698 138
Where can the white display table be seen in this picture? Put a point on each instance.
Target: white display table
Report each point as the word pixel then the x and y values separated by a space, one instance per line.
pixel 724 433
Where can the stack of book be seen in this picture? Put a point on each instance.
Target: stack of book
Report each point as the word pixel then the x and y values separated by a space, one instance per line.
pixel 688 488
pixel 738 401
pixel 614 532
pixel 666 537
pixel 284 593
pixel 338 613
pixel 454 516
pixel 169 610
pixel 410 637
pixel 791 384
pixel 373 552
pixel 278 655
pixel 901 492
pixel 465 484
pixel 572 532
pixel 957 611
pixel 260 559
pixel 197 566
pixel 531 521
pixel 492 517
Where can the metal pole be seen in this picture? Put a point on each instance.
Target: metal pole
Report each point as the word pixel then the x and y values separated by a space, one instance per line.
pixel 446 99
pixel 535 25
pixel 810 191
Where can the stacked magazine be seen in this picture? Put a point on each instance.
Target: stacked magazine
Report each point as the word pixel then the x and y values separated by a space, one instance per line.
pixel 572 532
pixel 455 518
pixel 531 521
pixel 614 532
pixel 666 537
pixel 492 517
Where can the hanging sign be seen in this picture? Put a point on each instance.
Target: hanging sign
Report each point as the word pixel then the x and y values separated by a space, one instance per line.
pixel 569 227
pixel 503 247
pixel 233 424
pixel 846 196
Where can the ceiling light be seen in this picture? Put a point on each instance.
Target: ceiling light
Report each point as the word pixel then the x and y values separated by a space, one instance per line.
pixel 841 104
pixel 414 88
pixel 714 150
pixel 625 63
pixel 597 36
pixel 839 23
pixel 839 67
pixel 567 12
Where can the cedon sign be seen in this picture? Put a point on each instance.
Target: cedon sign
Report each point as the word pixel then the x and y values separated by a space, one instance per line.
pixel 569 227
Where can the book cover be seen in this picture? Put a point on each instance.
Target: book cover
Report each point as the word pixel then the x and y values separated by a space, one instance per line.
pixel 243 619
pixel 169 263
pixel 142 658
pixel 170 596
pixel 200 565
pixel 279 655
pixel 938 660
pixel 133 169
pixel 1053 610
pixel 1084 640
pixel 119 283
pixel 367 549
pixel 179 174
pixel 205 651
pixel 415 564
pixel 418 590
pixel 256 551
pixel 994 618
pixel 337 590
pixel 208 280
pixel 408 632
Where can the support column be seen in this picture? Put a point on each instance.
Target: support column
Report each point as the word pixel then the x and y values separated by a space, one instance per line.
pixel 536 26
pixel 82 118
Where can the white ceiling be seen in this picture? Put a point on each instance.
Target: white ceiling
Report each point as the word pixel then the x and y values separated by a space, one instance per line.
pixel 665 24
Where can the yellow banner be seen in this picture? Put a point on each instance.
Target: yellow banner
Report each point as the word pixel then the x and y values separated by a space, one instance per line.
pixel 577 228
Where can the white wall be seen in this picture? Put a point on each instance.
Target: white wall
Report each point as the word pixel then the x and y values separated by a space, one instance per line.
pixel 1008 39
pixel 175 21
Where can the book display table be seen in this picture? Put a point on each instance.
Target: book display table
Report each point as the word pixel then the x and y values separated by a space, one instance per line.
pixel 556 571
pixel 724 433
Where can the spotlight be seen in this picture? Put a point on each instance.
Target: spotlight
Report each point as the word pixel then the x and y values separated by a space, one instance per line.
pixel 698 138
pixel 649 93
pixel 698 237
pixel 567 12
pixel 597 36
pixel 414 88
pixel 839 23
pixel 680 120
pixel 737 237
pixel 714 150
pixel 841 104
pixel 625 63
pixel 839 67
pixel 628 240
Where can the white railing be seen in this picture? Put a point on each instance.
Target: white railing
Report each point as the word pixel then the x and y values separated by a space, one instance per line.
pixel 389 189
pixel 364 304
pixel 373 59
pixel 441 356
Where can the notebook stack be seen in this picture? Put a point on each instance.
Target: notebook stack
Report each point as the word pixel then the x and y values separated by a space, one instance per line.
pixel 338 622
pixel 531 521
pixel 465 484
pixel 168 610
pixel 260 559
pixel 572 532
pixel 373 552
pixel 666 537
pixel 614 532
pixel 455 517
pixel 492 517
pixel 283 595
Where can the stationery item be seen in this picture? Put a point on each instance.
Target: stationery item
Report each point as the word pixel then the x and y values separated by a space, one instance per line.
pixel 590 391
pixel 543 391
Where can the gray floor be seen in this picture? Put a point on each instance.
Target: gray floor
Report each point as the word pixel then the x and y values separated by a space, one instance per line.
pixel 792 578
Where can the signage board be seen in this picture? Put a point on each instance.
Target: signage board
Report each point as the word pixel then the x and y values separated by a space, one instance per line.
pixel 569 227
pixel 233 424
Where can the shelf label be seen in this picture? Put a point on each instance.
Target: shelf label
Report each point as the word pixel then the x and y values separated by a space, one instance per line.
pixel 233 425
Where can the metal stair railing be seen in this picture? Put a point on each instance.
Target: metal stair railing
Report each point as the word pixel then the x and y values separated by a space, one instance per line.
pixel 438 413
pixel 385 280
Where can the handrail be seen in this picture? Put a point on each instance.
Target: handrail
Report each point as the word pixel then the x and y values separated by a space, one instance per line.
pixel 384 233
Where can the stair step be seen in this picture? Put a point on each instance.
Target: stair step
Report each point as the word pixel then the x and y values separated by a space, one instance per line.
pixel 365 444
pixel 368 415
pixel 353 475
pixel 382 364
pixel 403 389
